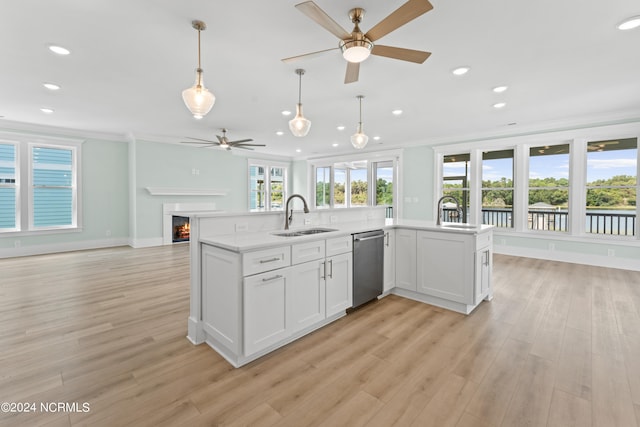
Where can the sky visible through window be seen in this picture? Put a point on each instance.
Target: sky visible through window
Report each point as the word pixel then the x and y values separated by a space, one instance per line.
pixel 602 165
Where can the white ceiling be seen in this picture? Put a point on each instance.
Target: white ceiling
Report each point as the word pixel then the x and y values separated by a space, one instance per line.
pixel 564 62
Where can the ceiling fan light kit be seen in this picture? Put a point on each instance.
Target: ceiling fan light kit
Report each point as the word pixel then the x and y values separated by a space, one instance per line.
pixel 299 125
pixel 359 139
pixel 198 99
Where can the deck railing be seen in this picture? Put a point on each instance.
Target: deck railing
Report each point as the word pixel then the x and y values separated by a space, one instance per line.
pixel 596 222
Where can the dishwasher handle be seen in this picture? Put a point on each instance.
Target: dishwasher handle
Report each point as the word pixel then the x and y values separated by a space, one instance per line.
pixel 362 239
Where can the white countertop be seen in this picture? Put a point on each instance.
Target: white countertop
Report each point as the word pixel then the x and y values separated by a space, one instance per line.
pixel 241 242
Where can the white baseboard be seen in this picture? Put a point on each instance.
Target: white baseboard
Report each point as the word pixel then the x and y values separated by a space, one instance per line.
pixel 62 247
pixel 146 243
pixel 571 257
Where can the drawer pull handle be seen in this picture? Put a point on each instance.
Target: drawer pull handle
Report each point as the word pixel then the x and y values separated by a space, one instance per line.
pixel 264 261
pixel 268 279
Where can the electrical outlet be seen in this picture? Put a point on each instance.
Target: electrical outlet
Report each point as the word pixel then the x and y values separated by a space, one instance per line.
pixel 307 221
pixel 552 246
pixel 611 252
pixel 16 244
pixel 108 233
pixel 333 219
pixel 503 242
pixel 243 226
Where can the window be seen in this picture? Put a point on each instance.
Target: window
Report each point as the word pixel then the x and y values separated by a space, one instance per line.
pixel 39 184
pixel 549 188
pixel 8 187
pixel 359 184
pixel 497 188
pixel 611 187
pixel 267 186
pixel 355 183
pixel 455 183
pixel 52 187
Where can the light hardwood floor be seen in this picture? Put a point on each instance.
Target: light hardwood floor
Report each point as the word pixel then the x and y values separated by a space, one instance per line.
pixel 558 346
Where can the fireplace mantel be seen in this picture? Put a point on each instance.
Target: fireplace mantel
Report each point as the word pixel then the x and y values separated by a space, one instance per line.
pixel 171 191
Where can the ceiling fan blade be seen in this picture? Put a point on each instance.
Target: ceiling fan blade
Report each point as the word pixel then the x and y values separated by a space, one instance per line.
pixel 249 145
pixel 307 55
pixel 417 56
pixel 196 142
pixel 405 13
pixel 314 12
pixel 243 147
pixel 220 139
pixel 239 141
pixel 203 140
pixel 353 71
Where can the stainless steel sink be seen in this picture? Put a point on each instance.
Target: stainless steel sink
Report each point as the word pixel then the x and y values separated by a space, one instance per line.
pixel 315 230
pixel 304 232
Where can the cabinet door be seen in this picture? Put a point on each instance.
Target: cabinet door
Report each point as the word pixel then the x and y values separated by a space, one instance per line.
pixel 389 260
pixel 445 265
pixel 406 259
pixel 339 283
pixel 307 294
pixel 483 274
pixel 266 309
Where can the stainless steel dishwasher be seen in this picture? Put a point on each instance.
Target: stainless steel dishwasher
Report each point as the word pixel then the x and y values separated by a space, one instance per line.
pixel 368 264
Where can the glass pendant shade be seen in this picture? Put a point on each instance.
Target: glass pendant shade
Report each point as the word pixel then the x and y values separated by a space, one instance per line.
pixel 359 139
pixel 197 98
pixel 299 125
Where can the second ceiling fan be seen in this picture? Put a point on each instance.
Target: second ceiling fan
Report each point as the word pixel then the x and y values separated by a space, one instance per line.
pixel 356 46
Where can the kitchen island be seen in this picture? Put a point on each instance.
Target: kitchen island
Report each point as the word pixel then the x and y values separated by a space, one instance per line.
pixel 254 291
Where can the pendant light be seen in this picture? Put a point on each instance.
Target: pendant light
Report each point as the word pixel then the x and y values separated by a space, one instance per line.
pixel 359 139
pixel 197 98
pixel 299 125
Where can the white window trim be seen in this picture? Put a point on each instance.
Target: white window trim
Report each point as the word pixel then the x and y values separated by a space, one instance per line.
pixel 15 185
pixel 267 164
pixel 24 208
pixel 394 156
pixel 577 182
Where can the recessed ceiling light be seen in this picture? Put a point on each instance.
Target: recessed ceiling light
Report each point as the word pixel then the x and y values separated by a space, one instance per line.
pixel 286 112
pixel 460 71
pixel 340 127
pixel 377 138
pixel 630 23
pixel 59 50
pixel 396 112
pixel 298 150
pixel 500 89
pixel 51 86
pixel 46 110
pixel 279 133
pixel 500 105
pixel 335 144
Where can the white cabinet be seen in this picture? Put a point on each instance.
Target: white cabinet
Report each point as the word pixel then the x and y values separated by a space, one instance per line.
pixel 307 294
pixel 389 260
pixel 266 309
pixel 339 283
pixel 445 265
pixel 454 267
pixel 406 259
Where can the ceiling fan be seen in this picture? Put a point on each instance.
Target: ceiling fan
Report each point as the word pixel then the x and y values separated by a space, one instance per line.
pixel 357 46
pixel 223 142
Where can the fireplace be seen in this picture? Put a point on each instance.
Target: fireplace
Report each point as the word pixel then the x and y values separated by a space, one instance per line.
pixel 180 228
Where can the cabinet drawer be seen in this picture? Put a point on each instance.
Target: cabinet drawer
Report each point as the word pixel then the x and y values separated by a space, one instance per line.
pixel 265 260
pixel 483 240
pixel 310 251
pixel 339 245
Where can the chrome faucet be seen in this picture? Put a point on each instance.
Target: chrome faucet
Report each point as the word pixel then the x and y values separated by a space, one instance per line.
pixel 288 216
pixel 440 206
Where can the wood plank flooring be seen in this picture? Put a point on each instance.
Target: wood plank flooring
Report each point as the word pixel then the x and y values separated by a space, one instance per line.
pixel 559 345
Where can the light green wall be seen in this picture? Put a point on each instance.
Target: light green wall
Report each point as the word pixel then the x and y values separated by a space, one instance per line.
pixel 171 165
pixel 300 178
pixel 105 204
pixel 417 183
